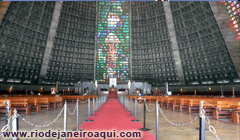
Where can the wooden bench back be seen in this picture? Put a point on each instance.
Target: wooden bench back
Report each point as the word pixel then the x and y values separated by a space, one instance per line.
pixel 228 104
pixel 33 101
pixel 43 100
pixel 133 96
pixel 52 99
pixel 19 102
pixel 58 99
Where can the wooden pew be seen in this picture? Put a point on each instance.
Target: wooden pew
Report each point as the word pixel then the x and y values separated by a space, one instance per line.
pixel 133 96
pixel 176 104
pixel 44 103
pixel 68 98
pixel 183 105
pixel 194 104
pixel 150 99
pixel 161 101
pixel 221 105
pixel 59 102
pixel 53 102
pixel 33 101
pixel 75 97
pixel 169 102
pixel 21 104
pixel 235 117
pixel 41 102
pixel 191 104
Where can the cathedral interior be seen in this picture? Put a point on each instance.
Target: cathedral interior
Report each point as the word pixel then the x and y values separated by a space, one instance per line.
pixel 189 45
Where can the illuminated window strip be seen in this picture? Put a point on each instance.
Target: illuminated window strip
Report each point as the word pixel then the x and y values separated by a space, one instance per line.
pixel 234 12
pixel 110 18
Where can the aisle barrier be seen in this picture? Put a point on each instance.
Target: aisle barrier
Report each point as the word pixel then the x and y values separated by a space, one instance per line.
pixel 202 124
pixel 135 111
pixel 14 119
pixel 6 111
pixel 14 123
pixel 201 116
pixel 65 118
pixel 93 114
pixel 89 111
pixel 144 117
pixel 157 121
pixel 130 110
pixel 127 105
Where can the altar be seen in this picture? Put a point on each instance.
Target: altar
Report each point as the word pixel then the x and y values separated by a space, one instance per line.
pixel 113 90
pixel 113 93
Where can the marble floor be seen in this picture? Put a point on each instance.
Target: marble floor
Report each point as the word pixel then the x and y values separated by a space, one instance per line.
pixel 225 130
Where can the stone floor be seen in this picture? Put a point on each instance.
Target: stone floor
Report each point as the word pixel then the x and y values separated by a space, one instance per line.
pixel 225 130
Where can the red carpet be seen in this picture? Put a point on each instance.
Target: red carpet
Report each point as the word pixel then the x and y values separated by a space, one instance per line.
pixel 112 116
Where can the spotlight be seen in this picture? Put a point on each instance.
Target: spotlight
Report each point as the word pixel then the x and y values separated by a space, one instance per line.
pixel 10 89
pixel 181 90
pixel 210 89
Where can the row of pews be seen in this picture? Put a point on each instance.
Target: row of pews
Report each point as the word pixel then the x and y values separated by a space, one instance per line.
pixel 217 107
pixel 75 97
pixel 28 103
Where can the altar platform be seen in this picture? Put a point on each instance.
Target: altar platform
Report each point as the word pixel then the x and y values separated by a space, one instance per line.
pixel 113 93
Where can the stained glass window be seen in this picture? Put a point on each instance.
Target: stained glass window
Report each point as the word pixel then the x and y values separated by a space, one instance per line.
pixel 113 41
pixel 234 12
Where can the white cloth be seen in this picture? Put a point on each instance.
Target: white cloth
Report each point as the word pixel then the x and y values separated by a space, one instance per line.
pixel 53 92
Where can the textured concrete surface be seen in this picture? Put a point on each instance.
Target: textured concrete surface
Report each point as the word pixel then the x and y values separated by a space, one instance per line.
pixel 51 36
pixel 174 45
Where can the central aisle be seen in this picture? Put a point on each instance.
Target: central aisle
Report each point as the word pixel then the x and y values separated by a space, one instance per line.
pixel 113 116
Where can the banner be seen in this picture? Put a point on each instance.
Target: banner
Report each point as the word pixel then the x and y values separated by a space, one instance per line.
pixel 113 82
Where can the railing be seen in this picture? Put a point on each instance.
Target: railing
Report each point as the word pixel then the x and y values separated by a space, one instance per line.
pixel 14 119
pixel 203 119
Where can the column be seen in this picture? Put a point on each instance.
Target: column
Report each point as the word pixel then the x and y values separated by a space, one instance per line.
pixel 173 39
pixel 51 36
